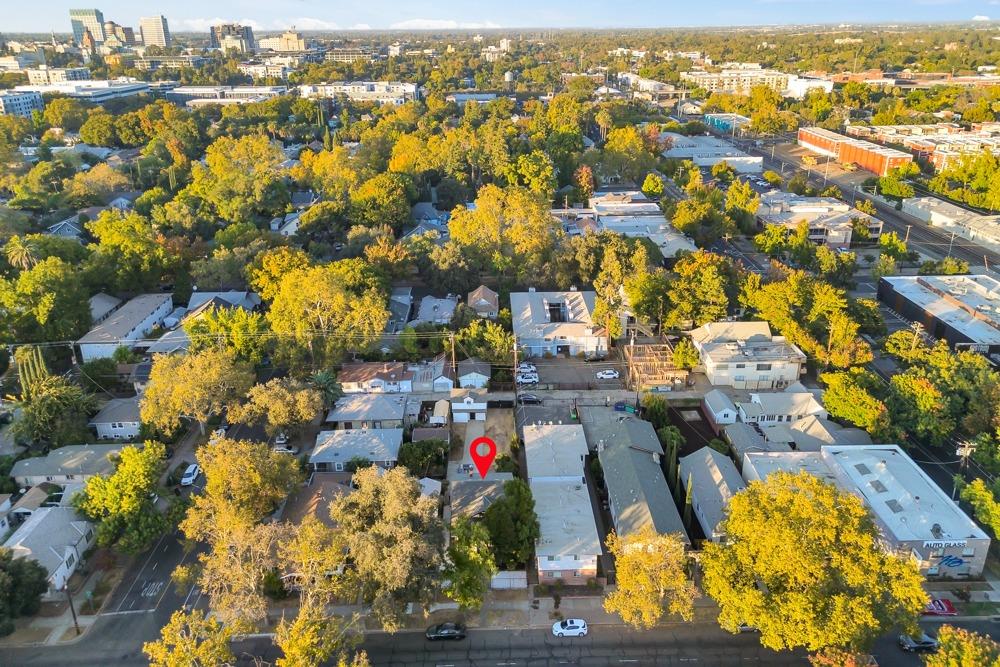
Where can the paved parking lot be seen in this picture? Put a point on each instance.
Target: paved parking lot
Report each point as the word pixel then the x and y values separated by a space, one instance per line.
pixel 577 374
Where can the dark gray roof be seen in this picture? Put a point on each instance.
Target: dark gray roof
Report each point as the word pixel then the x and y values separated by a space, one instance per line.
pixel 471 497
pixel 473 365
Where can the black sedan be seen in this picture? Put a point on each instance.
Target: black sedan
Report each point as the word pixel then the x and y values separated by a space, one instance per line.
pixel 445 631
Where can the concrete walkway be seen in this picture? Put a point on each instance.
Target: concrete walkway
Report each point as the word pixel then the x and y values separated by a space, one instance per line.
pixel 60 629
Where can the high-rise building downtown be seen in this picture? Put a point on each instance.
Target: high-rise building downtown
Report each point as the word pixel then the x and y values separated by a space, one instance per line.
pixel 244 32
pixel 84 20
pixel 154 31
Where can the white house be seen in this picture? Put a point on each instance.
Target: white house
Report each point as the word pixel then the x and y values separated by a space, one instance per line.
pixel 55 537
pixel 335 449
pixel 557 323
pixel 714 480
pixel 744 355
pixel 775 407
pixel 125 326
pixel 473 373
pixel 101 306
pixel 719 409
pixel 435 310
pixel 286 226
pixel 468 405
pixel 118 419
pixel 65 465
pixel 375 377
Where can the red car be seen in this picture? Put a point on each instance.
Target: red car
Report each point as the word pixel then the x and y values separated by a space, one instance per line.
pixel 940 607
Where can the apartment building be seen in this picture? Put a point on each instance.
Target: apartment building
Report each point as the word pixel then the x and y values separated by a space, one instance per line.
pixel 383 92
pixel 44 74
pixel 20 103
pixel 744 355
pixel 871 157
pixel 831 221
pixel 557 323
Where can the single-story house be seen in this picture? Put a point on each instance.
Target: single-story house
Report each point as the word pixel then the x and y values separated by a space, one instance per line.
pixel 235 298
pixel 473 373
pixel 335 449
pixel 70 228
pixel 286 226
pixel 719 410
pixel 433 375
pixel 714 480
pixel 72 463
pixel 55 537
pixel 484 301
pixel 427 212
pixel 101 306
pixel 124 201
pixel 118 419
pixel 125 326
pixel 303 199
pixel 368 411
pixel 468 405
pixel 400 305
pixel 435 310
pixel 471 497
pixel 375 377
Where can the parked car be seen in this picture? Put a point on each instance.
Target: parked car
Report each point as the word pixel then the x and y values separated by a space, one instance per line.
pixel 571 627
pixel 281 439
pixel 526 378
pixel 191 474
pixel 608 374
pixel 441 631
pixel 925 643
pixel 940 607
pixel 529 399
pixel 285 449
pixel 525 367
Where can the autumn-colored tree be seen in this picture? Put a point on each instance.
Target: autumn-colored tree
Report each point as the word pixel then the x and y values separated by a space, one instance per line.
pixel 702 290
pixel 281 404
pixel 271 266
pixel 583 178
pixel 963 648
pixel 652 580
pixel 191 639
pixel 818 576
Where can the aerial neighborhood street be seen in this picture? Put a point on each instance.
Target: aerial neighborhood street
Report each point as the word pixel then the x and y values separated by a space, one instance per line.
pixel 347 336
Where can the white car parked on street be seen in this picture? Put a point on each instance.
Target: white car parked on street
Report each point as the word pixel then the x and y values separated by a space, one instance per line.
pixel 525 367
pixel 571 627
pixel 190 475
pixel 526 378
pixel 609 374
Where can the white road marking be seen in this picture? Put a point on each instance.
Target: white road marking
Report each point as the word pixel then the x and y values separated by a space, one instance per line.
pixel 134 581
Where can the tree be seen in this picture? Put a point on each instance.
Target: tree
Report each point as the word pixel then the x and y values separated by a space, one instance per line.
pixel 55 414
pixel 652 187
pixel 685 354
pixel 470 563
pixel 191 639
pixel 701 290
pixel 817 576
pixel 282 404
pixel 536 172
pixel 960 648
pixel 64 112
pixel 95 186
pixel 850 396
pixel 652 580
pixel 833 656
pixel 241 178
pixel 271 266
pixel 395 542
pixel 130 254
pixel 418 457
pixel 312 638
pixel 244 333
pixel 99 129
pixel 920 408
pixel 45 303
pixel 122 503
pixel 891 245
pixel 626 154
pixel 742 202
pixel 193 386
pixel 317 312
pixel 381 200
pixel 583 178
pixel 513 524
pixel 773 241
pixel 20 253
pixel 22 583
pixel 984 503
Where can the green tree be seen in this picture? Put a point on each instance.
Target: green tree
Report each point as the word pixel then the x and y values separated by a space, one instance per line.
pixel 381 200
pixel 283 405
pixel 244 333
pixel 193 387
pixel 44 303
pixel 56 414
pixel 241 178
pixel 122 503
pixel 817 577
pixel 191 639
pixel 685 354
pixel 850 396
pixel 652 580
pixel 652 187
pixel 702 290
pixel 22 583
pixel 99 129
pixel 64 112
pixel 419 457
pixel 470 564
pixel 984 503
pixel 513 524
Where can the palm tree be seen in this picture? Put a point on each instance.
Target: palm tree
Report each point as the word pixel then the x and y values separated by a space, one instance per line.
pixel 326 383
pixel 20 253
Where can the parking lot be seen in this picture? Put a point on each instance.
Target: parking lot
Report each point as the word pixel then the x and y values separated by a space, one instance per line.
pixel 577 374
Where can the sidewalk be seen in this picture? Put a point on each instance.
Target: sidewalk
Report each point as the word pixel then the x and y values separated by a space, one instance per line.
pixel 42 630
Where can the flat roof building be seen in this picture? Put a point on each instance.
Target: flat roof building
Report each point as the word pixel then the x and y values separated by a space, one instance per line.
pixel 983 229
pixel 831 221
pixel 557 323
pixel 96 92
pixel 20 103
pixel 384 92
pixel 872 157
pixel 335 449
pixel 706 151
pixel 554 452
pixel 963 310
pixel 744 355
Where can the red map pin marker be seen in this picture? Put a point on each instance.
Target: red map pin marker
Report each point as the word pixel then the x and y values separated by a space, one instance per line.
pixel 483 461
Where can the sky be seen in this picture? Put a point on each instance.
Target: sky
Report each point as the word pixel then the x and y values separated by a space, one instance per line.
pixel 265 15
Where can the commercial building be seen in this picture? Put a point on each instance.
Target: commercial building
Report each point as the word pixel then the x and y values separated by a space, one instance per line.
pixel 155 31
pixel 223 94
pixel 983 229
pixel 66 465
pixel 118 35
pixel 568 545
pixel 963 310
pixel 630 454
pixel 651 90
pixel 45 74
pixel 20 103
pixel 726 122
pixel 383 92
pixel 242 32
pixel 96 92
pixel 348 55
pixel 125 326
pixel 744 355
pixel 235 43
pixel 831 221
pixel 557 323
pixel 264 70
pixel 871 157
pixel 84 21
pixel 709 151
pixel 153 63
pixel 712 480
pixel 916 518
pixel 289 40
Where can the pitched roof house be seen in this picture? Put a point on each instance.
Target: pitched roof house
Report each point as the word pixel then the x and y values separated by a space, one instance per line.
pixel 484 301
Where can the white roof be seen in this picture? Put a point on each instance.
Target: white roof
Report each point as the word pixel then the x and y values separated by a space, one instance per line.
pixel 714 481
pixel 901 495
pixel 786 403
pixel 566 520
pixel 46 534
pixel 968 304
pixel 125 319
pixel 726 332
pixel 759 465
pixel 357 407
pixel 552 314
pixel 373 444
pixel 70 460
pixel 101 304
pixel 554 450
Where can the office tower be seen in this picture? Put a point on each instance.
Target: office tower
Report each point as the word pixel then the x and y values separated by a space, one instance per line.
pixel 243 32
pixel 84 20
pixel 124 34
pixel 154 31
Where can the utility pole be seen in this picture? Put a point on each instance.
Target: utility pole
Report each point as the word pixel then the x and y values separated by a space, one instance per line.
pixel 454 366
pixel 72 609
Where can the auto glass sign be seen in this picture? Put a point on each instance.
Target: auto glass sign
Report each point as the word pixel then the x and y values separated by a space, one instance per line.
pixel 944 544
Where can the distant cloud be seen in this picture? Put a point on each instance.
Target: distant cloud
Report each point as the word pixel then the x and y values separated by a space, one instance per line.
pixel 202 25
pixel 307 23
pixel 980 17
pixel 360 26
pixel 442 24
